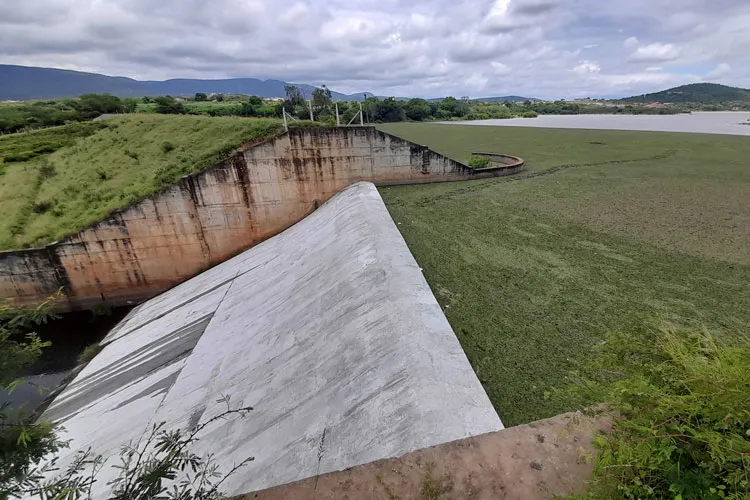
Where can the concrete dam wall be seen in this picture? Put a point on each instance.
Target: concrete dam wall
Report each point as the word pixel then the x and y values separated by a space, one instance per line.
pixel 328 330
pixel 212 215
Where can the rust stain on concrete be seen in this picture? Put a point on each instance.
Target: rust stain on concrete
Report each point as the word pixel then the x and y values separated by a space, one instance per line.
pixel 212 215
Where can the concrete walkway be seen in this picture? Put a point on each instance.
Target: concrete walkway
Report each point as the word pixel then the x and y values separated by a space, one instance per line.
pixel 329 330
pixel 547 459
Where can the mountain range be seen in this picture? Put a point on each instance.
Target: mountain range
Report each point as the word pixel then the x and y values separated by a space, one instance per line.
pixel 24 83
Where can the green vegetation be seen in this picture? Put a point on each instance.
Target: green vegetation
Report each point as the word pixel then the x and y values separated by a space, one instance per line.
pixel 683 424
pixel 103 166
pixel 159 466
pixel 22 442
pixel 89 353
pixel 605 231
pixel 696 93
pixel 479 161
pixel 39 114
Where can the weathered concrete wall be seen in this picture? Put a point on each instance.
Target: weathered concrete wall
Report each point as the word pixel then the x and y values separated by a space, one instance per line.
pixel 207 217
pixel 328 330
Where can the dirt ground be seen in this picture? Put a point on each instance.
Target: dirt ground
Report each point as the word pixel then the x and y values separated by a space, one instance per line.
pixel 540 460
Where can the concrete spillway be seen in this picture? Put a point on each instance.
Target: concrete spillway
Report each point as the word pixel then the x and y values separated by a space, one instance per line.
pixel 329 330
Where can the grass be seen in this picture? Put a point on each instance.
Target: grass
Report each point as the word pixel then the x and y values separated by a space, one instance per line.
pixel 607 231
pixel 118 162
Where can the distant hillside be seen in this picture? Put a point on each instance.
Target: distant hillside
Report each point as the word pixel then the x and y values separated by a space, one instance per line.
pixel 25 83
pixel 702 93
pixel 511 98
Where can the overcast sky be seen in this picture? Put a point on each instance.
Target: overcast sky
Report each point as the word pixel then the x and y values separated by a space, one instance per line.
pixel 536 48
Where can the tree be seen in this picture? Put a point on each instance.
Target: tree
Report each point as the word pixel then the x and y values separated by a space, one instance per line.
pixel 418 109
pixel 200 96
pixel 93 105
pixel 295 103
pixel 219 98
pixel 453 107
pixel 322 102
pixel 387 110
pixel 294 98
pixel 169 106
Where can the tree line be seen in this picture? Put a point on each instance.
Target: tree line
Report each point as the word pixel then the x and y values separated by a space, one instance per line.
pixel 21 116
pixel 15 117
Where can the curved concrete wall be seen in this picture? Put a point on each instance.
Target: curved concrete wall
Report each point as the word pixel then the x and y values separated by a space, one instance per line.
pixel 329 330
pixel 207 217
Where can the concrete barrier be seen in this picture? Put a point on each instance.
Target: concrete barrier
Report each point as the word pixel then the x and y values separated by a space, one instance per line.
pixel 210 216
pixel 329 330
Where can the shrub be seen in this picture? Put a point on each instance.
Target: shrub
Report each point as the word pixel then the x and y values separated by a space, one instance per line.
pixel 40 207
pixel 18 157
pixel 131 154
pixel 684 425
pixel 46 170
pixel 49 147
pixel 89 353
pixel 479 161
pixel 166 147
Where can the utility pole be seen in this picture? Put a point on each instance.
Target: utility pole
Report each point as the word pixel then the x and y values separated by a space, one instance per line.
pixel 361 116
pixel 338 122
pixel 286 126
pixel 309 105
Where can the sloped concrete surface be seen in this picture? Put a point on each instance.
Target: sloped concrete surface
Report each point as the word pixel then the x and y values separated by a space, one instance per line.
pixel 329 330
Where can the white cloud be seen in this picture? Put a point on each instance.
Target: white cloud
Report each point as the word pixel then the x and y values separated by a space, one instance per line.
pixel 540 48
pixel 655 52
pixel 587 67
pixel 631 43
pixel 723 69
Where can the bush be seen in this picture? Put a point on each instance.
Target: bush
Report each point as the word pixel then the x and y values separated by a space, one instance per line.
pixel 479 161
pixel 19 157
pixel 40 207
pixel 46 170
pixel 169 106
pixel 684 425
pixel 89 353
pixel 166 147
pixel 49 147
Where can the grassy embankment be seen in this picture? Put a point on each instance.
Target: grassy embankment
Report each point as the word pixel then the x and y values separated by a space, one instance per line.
pixel 606 231
pixel 56 182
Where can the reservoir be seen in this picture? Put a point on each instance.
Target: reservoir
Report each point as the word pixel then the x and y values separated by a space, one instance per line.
pixel 714 122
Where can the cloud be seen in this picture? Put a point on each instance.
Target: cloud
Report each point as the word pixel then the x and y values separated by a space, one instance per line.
pixel 587 67
pixel 655 52
pixel 723 69
pixel 540 48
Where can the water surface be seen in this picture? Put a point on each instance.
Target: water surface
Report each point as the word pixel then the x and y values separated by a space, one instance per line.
pixel 716 122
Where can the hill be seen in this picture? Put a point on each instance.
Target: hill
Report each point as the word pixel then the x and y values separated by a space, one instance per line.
pixel 700 93
pixel 57 181
pixel 510 98
pixel 25 83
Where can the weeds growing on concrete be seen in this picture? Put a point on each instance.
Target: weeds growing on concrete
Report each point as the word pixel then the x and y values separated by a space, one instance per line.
pixel 89 353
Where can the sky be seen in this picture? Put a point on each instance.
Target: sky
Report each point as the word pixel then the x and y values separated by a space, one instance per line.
pixel 428 48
